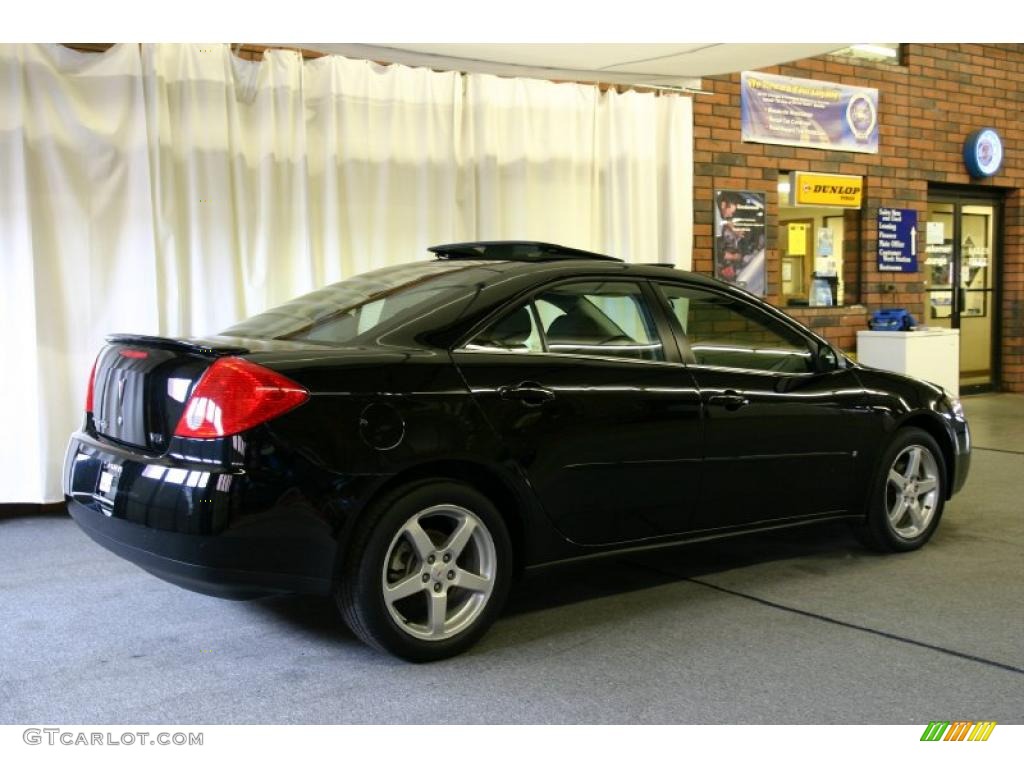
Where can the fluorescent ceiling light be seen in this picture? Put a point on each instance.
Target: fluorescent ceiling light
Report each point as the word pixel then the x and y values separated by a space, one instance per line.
pixel 872 51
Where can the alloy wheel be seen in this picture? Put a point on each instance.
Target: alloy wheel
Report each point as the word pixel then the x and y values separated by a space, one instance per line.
pixel 439 572
pixel 912 491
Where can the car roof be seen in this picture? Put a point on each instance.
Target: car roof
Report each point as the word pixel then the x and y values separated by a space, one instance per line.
pixel 534 252
pixel 508 277
pixel 567 267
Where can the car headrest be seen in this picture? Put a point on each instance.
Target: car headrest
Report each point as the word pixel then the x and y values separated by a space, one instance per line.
pixel 511 330
pixel 573 327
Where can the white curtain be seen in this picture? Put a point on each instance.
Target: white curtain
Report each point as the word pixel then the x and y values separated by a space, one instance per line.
pixel 384 163
pixel 566 163
pixel 76 243
pixel 534 175
pixel 229 194
pixel 174 189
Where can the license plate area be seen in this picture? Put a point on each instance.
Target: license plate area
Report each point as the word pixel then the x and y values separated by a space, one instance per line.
pixel 106 485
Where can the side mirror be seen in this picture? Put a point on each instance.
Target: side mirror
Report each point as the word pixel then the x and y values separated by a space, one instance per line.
pixel 828 359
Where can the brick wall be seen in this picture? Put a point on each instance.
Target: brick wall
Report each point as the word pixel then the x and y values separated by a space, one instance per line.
pixel 927 107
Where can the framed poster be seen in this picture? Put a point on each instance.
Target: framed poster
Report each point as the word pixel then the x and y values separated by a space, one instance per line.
pixel 740 239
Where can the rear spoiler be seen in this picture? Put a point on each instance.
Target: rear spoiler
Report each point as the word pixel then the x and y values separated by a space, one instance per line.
pixel 204 347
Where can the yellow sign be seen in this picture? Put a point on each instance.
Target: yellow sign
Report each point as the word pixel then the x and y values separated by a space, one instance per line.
pixel 797 240
pixel 828 189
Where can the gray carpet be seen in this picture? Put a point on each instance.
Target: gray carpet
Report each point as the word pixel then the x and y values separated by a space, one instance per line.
pixel 802 627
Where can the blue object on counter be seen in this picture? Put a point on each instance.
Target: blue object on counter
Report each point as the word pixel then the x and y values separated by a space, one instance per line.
pixel 891 320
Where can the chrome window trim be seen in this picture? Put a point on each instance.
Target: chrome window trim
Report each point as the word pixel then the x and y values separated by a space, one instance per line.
pixel 750 371
pixel 699 366
pixel 496 351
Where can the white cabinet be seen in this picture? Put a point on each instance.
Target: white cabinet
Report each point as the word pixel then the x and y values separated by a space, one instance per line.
pixel 932 355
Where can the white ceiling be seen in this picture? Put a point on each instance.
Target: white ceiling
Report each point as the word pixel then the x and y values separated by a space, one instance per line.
pixel 679 64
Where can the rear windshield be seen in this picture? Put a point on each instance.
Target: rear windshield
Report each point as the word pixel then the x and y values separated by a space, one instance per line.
pixel 343 312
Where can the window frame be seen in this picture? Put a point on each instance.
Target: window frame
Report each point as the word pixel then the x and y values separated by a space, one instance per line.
pixel 813 344
pixel 506 310
pixel 666 334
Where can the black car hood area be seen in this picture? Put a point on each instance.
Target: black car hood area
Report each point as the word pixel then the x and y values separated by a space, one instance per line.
pixel 927 391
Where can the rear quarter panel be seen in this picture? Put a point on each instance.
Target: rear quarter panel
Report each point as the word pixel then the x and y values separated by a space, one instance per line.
pixel 377 417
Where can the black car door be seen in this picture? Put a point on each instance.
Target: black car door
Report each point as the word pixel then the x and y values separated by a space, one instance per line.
pixel 595 408
pixel 781 434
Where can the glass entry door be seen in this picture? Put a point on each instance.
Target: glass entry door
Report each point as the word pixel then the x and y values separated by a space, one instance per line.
pixel 961 269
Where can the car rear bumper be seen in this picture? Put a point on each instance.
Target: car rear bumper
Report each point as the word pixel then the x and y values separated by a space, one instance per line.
pixel 189 526
pixel 189 561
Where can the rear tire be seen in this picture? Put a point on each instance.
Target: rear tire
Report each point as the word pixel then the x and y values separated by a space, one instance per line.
pixel 908 494
pixel 427 572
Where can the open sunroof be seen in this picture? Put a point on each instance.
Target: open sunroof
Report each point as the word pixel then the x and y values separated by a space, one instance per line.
pixel 514 250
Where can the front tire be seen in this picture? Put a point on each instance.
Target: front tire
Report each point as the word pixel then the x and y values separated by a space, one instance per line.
pixel 427 572
pixel 908 494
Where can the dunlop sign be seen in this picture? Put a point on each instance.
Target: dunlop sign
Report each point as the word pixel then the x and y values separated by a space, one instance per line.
pixel 825 189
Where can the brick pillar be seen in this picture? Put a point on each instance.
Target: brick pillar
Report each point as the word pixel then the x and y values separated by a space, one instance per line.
pixel 1013 293
pixel 853 269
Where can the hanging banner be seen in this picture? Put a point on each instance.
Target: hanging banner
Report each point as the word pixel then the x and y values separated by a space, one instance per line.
pixel 740 239
pixel 897 240
pixel 808 113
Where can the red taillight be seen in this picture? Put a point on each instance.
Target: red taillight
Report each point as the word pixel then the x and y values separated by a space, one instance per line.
pixel 134 354
pixel 92 386
pixel 235 395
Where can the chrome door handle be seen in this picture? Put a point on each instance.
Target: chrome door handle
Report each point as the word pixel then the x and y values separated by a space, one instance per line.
pixel 527 392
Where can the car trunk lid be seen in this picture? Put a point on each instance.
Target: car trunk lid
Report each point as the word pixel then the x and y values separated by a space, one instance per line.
pixel 142 383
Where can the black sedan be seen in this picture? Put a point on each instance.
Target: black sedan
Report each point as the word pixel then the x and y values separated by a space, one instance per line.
pixel 412 439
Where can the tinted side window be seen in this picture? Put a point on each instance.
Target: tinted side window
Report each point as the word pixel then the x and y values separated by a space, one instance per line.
pixel 344 311
pixel 603 319
pixel 722 331
pixel 515 331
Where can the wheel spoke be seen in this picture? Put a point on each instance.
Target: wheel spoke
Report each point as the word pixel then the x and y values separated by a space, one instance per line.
pixel 897 511
pixel 927 485
pixel 418 538
pixel 461 537
pixel 472 582
pixel 438 612
pixel 403 588
pixel 916 516
pixel 897 479
pixel 913 463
